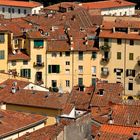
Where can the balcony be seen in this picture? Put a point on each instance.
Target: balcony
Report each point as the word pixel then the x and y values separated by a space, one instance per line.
pixel 104 60
pixel 104 71
pixel 105 47
pixel 38 64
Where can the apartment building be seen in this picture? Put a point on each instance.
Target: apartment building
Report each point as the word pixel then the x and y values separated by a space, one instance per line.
pixel 119 42
pixel 4 33
pixel 49 52
pixel 15 9
pixel 110 7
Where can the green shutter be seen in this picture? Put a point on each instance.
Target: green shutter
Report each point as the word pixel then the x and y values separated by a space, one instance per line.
pixel 49 68
pixel 29 73
pixel 38 43
pixel 57 68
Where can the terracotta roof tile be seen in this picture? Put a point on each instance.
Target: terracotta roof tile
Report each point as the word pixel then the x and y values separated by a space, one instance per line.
pixel 31 98
pixel 107 4
pixel 17 121
pixel 46 133
pixel 112 93
pixel 30 4
pixel 126 115
pixel 116 132
pixel 18 56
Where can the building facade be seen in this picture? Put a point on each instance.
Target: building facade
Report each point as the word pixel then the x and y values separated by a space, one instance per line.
pixel 15 9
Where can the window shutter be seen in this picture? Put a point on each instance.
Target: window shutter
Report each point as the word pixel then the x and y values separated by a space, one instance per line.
pixel 114 70
pixel 127 73
pixel 49 68
pixel 57 68
pixel 29 73
pixel 121 70
pixel 133 73
pixel 21 72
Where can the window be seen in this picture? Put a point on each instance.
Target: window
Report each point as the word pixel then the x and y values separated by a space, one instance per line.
pixel 67 53
pixel 34 11
pixel 54 54
pixel 119 41
pixel 106 55
pixel 94 55
pixel 16 41
pixel 38 43
pixel 130 72
pixel 60 54
pixel 80 68
pixel 54 83
pixel 9 10
pixel 131 56
pixel 93 69
pixel 80 81
pixel 118 71
pixel 25 12
pixel 106 41
pixel 25 73
pixel 130 86
pixel 2 56
pixel 18 11
pixel 3 9
pixel 67 71
pixel 67 62
pixel 131 42
pixel 25 62
pixel 39 58
pixel 53 69
pixel 118 55
pixel 80 55
pixel 13 63
pixel 13 10
pixel 67 83
pixel 2 38
pixel 38 76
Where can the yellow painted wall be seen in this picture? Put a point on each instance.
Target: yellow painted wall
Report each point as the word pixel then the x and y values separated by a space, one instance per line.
pixel 50 113
pixel 4 46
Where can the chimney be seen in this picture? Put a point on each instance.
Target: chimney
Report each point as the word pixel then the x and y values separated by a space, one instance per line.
pixel 111 120
pixel 52 28
pixel 135 136
pixel 13 89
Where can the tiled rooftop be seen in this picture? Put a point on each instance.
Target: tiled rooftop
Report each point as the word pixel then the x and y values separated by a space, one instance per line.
pixel 117 132
pixel 46 133
pixel 125 115
pixel 30 4
pixel 112 92
pixel 18 56
pixel 11 121
pixel 109 29
pixel 107 4
pixel 31 98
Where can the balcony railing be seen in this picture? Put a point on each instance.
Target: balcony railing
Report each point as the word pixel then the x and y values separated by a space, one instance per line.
pixel 105 47
pixel 105 60
pixel 38 64
pixel 104 71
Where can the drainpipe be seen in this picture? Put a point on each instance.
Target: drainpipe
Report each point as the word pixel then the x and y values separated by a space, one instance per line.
pixel 124 65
